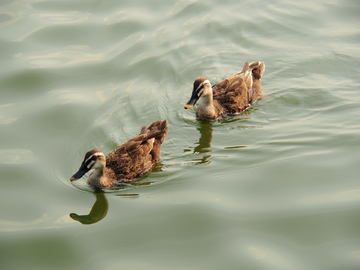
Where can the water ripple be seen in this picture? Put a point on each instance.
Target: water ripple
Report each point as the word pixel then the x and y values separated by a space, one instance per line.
pixel 17 156
pixel 76 55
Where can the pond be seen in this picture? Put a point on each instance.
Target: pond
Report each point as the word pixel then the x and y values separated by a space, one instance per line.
pixel 275 187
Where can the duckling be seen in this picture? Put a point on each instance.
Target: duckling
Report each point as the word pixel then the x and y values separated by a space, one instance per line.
pixel 230 96
pixel 127 162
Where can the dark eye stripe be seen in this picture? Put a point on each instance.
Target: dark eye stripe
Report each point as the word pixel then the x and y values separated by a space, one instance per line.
pixel 94 156
pixel 91 163
pixel 89 160
pixel 199 87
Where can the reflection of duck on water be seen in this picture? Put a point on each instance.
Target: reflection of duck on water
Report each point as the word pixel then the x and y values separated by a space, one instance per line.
pixel 205 139
pixel 97 213
pixel 204 142
pixel 100 208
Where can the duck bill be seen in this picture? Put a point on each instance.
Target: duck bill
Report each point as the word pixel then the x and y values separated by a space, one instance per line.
pixel 82 170
pixel 194 98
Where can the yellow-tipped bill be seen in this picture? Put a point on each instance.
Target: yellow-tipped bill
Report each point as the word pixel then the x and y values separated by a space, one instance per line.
pixel 188 106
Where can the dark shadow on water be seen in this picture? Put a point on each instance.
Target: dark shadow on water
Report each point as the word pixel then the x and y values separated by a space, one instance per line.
pixel 206 134
pixel 97 212
pixel 203 145
pixel 205 139
pixel 101 205
pixel 99 209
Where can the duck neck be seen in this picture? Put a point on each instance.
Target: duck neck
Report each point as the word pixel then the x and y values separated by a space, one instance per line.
pixel 98 173
pixel 206 98
pixel 97 178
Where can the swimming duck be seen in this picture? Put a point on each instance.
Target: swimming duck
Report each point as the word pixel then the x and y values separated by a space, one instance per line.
pixel 127 162
pixel 230 96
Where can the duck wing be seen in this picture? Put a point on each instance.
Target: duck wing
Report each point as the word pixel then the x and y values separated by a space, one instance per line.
pixel 233 92
pixel 134 157
pixel 157 130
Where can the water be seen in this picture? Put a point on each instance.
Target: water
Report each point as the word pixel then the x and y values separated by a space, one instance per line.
pixel 273 188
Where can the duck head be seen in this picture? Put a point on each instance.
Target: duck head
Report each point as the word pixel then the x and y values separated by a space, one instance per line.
pixel 94 159
pixel 202 88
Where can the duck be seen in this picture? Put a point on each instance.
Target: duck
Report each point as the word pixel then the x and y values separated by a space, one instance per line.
pixel 127 162
pixel 229 96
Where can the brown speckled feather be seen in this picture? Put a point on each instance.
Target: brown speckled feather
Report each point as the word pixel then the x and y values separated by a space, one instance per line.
pixel 136 156
pixel 229 96
pixel 126 163
pixel 257 72
pixel 233 92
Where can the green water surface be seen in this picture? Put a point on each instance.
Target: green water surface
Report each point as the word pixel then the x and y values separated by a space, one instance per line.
pixel 276 187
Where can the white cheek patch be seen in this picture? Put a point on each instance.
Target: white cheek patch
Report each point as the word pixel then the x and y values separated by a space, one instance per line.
pixel 95 155
pixel 207 90
pixel 203 86
pixel 91 164
pixel 207 81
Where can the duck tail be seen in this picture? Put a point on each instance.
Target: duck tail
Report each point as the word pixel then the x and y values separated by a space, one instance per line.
pixel 248 79
pixel 157 130
pixel 246 67
pixel 258 69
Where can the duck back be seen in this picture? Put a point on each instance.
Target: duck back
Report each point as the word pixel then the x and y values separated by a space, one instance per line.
pixel 240 90
pixel 136 156
pixel 232 92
